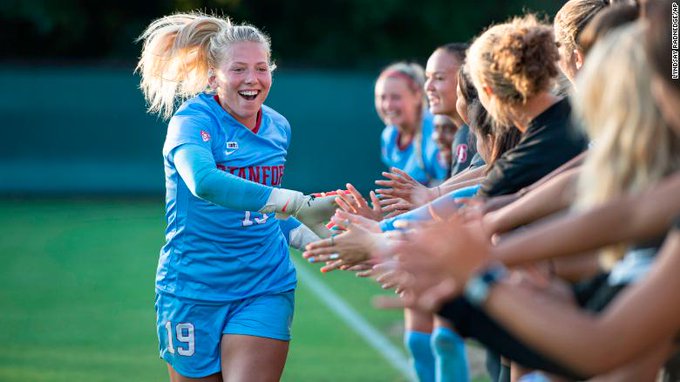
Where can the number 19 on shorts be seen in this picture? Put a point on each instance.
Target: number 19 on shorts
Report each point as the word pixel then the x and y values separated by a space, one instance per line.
pixel 184 335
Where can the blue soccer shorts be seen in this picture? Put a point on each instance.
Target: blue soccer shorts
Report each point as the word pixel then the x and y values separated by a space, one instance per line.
pixel 189 331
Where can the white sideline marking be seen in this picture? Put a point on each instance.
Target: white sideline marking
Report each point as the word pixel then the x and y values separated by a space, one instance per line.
pixel 354 320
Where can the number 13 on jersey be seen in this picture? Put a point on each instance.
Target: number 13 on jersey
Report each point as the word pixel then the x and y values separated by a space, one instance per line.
pixel 252 218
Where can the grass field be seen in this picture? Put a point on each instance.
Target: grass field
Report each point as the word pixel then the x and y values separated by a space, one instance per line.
pixel 76 300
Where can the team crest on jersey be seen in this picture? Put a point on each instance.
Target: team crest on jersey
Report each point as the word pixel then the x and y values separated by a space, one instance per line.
pixel 231 147
pixel 205 136
pixel 462 152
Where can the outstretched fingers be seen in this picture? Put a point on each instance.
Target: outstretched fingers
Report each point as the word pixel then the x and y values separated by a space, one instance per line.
pixel 345 205
pixel 356 195
pixel 319 244
pixel 404 175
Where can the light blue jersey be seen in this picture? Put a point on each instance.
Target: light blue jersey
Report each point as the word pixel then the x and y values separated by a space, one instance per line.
pixel 444 206
pixel 419 159
pixel 214 253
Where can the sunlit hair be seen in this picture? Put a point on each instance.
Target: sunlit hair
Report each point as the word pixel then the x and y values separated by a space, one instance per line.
pixel 180 49
pixel 516 60
pixel 573 18
pixel 633 147
pixel 413 75
pixel 606 21
pixel 411 72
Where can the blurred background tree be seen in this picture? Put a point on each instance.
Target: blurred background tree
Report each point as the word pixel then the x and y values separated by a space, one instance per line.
pixel 348 34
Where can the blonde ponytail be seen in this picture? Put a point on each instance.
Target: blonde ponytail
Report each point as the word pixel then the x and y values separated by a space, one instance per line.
pixel 178 52
pixel 517 60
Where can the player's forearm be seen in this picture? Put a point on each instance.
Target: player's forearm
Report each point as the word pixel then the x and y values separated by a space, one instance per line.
pixel 595 344
pixel 297 234
pixel 497 202
pixel 627 218
pixel 197 168
pixel 447 187
pixel 443 207
pixel 551 197
pixel 577 267
pixel 287 225
pixel 466 175
pixel 573 163
pixel 554 328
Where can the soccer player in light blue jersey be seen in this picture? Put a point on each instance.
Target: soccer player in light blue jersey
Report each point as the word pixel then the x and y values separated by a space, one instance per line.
pixel 225 284
pixel 406 141
pixel 408 145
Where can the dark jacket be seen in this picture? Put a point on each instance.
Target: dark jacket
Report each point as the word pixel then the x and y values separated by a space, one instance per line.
pixel 549 141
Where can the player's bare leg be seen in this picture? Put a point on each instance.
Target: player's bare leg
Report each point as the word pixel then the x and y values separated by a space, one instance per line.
pixel 176 377
pixel 248 358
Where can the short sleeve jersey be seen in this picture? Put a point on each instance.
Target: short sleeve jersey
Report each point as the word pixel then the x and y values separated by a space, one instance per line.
pixel 464 151
pixel 423 164
pixel 214 253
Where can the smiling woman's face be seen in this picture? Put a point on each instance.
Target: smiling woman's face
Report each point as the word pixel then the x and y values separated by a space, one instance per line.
pixel 442 80
pixel 242 81
pixel 396 103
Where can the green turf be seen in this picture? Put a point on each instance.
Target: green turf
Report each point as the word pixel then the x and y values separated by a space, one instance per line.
pixel 76 300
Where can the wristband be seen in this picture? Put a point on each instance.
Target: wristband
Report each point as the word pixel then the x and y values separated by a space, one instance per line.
pixel 478 287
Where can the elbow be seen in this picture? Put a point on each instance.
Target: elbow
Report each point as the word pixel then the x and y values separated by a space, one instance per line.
pixel 200 191
pixel 203 194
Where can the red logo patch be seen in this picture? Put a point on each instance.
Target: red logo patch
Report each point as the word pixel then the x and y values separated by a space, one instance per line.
pixel 462 152
pixel 205 135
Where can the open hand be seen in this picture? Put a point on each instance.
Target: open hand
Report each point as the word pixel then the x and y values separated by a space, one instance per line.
pixel 399 184
pixel 440 257
pixel 356 204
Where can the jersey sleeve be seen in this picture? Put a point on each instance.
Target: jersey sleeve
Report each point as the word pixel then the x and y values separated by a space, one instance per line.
pixel 297 234
pixel 386 145
pixel 192 125
pixel 196 166
pixel 435 168
pixel 280 123
pixel 287 131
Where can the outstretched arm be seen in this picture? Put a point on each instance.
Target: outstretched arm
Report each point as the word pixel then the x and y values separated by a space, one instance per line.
pixel 462 178
pixel 553 196
pixel 442 257
pixel 644 316
pixel 498 202
pixel 297 234
pixel 626 218
pixel 401 185
pixel 197 167
pixel 440 208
